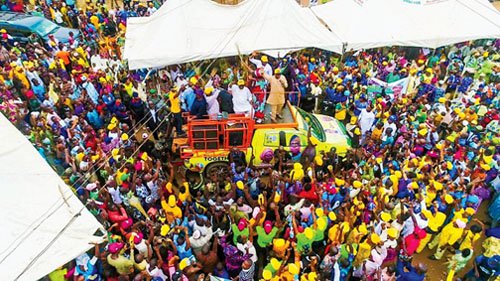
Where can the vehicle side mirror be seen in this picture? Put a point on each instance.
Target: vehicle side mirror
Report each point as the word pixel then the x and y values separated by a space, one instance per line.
pixel 282 139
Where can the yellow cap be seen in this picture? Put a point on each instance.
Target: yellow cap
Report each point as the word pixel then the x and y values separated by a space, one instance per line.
pixel 293 269
pixel 208 91
pixel 332 216
pixel 241 82
pixel 385 216
pixel 309 233
pixel 339 182
pixel 264 59
pixel 392 232
pixel 267 275
pixel 277 71
pixel 124 137
pixel 240 185
pixel 485 167
pixel 184 263
pixel 357 184
pixel 321 223
pixel 318 160
pixel 171 201
pixel 275 263
pixel 375 238
pixel 362 229
pixel 193 80
pixel 438 185
pixel 319 212
pixel 470 211
pixel 279 242
pixel 111 126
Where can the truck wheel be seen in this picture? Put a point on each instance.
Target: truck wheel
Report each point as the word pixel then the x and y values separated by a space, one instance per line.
pixel 219 169
pixel 194 177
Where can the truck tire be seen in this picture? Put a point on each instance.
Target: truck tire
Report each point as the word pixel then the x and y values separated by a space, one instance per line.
pixel 221 169
pixel 196 177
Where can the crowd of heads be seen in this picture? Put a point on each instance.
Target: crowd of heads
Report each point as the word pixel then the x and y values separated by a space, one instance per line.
pixel 424 159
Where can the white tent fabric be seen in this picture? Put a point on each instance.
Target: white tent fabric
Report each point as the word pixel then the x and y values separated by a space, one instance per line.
pixel 191 30
pixel 419 23
pixel 41 225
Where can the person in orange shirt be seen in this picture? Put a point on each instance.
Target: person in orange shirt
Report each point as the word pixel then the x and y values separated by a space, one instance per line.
pixel 65 56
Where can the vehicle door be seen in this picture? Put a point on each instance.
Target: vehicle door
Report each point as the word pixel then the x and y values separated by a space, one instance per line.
pixel 293 141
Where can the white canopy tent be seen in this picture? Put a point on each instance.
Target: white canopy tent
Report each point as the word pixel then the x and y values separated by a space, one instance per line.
pixel 191 30
pixel 365 24
pixel 44 225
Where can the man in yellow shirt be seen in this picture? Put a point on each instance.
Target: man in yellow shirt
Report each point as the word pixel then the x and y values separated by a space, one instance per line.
pixel 450 234
pixel 122 264
pixel 175 109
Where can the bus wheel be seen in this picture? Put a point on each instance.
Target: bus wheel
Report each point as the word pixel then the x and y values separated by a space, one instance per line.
pixel 220 170
pixel 195 178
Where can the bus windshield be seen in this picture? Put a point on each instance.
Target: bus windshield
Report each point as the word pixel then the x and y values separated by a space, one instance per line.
pixel 44 27
pixel 312 122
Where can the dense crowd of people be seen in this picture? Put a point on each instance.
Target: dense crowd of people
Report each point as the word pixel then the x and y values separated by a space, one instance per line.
pixel 424 157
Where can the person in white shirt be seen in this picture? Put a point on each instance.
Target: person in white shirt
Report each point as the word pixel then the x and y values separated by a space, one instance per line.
pixel 245 246
pixel 151 9
pixel 365 120
pixel 390 123
pixel 58 17
pixel 242 98
pixel 211 96
pixel 263 63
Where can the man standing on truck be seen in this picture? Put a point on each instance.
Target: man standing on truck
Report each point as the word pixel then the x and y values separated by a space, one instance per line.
pixel 175 109
pixel 277 95
pixel 242 98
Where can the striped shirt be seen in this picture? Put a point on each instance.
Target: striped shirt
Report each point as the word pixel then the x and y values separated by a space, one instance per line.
pixel 247 274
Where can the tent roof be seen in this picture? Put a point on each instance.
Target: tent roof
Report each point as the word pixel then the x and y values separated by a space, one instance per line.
pixel 418 23
pixel 190 30
pixel 41 225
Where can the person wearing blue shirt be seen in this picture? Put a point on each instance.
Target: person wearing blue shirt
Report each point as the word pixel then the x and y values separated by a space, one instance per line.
pixel 360 104
pixel 109 100
pixel 452 82
pixel 187 99
pixel 183 245
pixel 38 89
pixel 406 272
pixel 465 83
pixel 199 107
pixel 94 118
pixel 330 94
pixel 484 268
